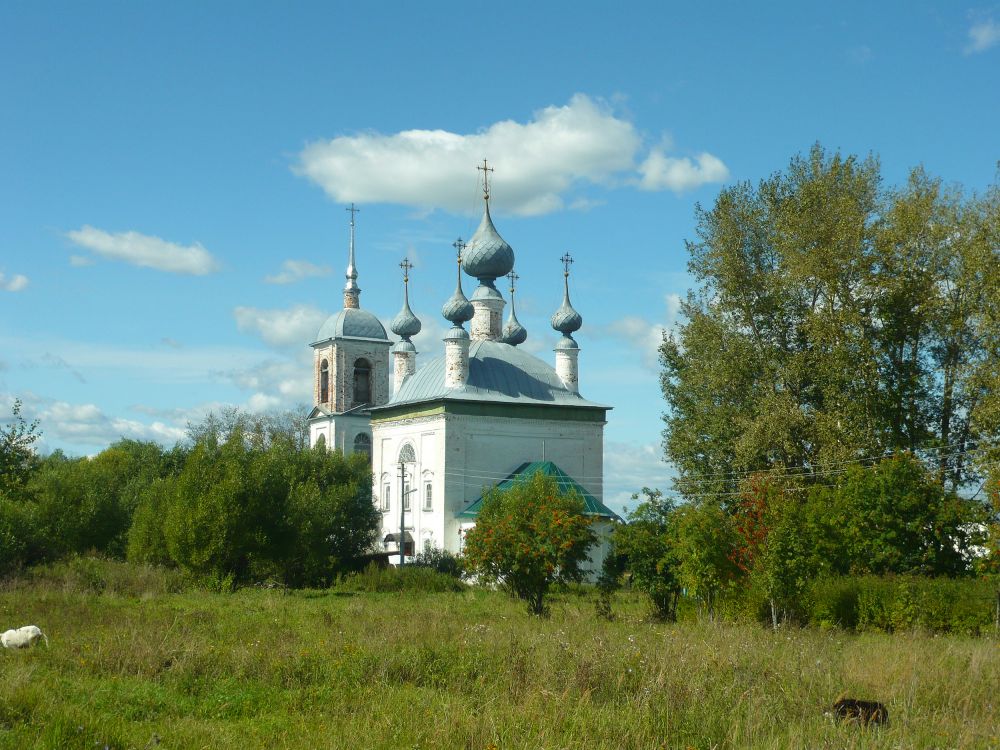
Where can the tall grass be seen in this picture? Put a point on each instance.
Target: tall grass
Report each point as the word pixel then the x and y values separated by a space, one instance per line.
pixel 471 669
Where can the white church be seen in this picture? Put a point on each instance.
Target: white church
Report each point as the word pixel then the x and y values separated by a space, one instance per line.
pixel 486 413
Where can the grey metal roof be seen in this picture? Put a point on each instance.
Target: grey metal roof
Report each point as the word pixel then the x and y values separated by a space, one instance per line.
pixel 498 373
pixel 352 323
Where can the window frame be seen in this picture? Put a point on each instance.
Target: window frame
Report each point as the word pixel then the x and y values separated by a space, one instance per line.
pixel 428 505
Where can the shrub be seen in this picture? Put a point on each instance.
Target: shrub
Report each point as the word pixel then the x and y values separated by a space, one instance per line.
pixel 440 560
pixel 410 578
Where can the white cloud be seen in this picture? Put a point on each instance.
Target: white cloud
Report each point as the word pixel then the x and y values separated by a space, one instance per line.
pixel 296 270
pixel 628 467
pixel 87 425
pixel 148 252
pixel 643 336
pixel 79 261
pixel 15 283
pixel 983 35
pixel 294 327
pixel 276 383
pixel 538 162
pixel 662 172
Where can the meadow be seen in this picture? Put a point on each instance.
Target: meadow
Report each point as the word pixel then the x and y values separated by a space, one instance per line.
pixel 141 662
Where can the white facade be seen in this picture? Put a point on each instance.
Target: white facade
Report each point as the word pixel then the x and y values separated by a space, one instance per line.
pixel 459 456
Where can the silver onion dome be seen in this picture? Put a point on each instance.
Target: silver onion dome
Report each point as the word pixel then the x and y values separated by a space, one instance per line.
pixel 405 324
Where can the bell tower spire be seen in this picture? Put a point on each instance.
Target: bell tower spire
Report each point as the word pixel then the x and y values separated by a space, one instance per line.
pixel 352 292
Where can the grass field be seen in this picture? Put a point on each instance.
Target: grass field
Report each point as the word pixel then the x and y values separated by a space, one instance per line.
pixel 316 669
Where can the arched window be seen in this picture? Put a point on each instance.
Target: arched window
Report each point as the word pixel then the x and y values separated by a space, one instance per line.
pixel 363 444
pixel 406 454
pixel 324 382
pixel 362 382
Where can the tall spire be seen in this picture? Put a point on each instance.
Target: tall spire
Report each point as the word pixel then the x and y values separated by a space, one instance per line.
pixel 513 332
pixel 352 292
pixel 406 324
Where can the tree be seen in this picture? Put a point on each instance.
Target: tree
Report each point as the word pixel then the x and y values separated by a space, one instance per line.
pixel 703 538
pixel 17 450
pixel 835 321
pixel 529 537
pixel 644 544
pixel 893 518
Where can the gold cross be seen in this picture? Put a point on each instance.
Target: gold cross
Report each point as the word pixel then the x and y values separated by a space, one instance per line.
pixel 406 266
pixel 513 277
pixel 460 246
pixel 566 260
pixel 486 179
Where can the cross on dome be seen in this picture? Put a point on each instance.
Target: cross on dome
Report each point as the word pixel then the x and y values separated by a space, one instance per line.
pixel 486 179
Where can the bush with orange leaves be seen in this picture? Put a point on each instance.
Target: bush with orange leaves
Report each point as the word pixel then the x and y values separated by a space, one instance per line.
pixel 529 537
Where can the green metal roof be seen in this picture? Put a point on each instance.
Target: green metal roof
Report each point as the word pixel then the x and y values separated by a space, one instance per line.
pixel 524 472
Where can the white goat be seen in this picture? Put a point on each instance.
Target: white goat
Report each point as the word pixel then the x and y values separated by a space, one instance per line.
pixel 29 635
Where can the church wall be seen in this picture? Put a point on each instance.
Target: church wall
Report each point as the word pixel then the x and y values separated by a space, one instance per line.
pixel 462 454
pixel 338 431
pixel 426 436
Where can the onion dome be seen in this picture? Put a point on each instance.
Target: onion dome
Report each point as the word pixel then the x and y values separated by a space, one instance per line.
pixel 513 332
pixel 566 320
pixel 458 309
pixel 405 324
pixel 488 255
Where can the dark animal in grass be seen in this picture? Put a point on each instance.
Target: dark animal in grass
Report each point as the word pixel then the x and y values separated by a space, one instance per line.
pixel 862 712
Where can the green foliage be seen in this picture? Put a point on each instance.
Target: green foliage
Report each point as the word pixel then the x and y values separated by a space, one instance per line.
pixel 644 546
pixel 528 537
pixel 835 320
pixel 703 538
pixel 893 517
pixel 17 452
pixel 440 560
pixel 240 512
pixel 392 580
pixel 890 604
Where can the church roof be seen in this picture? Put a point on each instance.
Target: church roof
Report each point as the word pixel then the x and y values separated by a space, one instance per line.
pixel 352 323
pixel 498 373
pixel 566 483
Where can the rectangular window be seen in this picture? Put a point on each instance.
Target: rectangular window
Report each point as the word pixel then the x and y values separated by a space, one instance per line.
pixel 406 497
pixel 385 498
pixel 428 496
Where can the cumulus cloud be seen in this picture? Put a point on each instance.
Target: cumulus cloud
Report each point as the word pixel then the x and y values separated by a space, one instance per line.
pixel 146 251
pixel 662 172
pixel 539 161
pixel 292 327
pixel 79 261
pixel 628 467
pixel 87 425
pixel 276 383
pixel 296 270
pixel 642 335
pixel 15 283
pixel 983 35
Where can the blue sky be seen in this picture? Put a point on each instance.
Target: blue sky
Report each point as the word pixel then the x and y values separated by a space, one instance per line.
pixel 173 177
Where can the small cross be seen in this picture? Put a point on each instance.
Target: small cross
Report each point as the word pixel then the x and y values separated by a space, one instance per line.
pixel 353 211
pixel 406 266
pixel 513 277
pixel 486 179
pixel 567 259
pixel 460 246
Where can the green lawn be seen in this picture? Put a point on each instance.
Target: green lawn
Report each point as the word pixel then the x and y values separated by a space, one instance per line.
pixel 470 670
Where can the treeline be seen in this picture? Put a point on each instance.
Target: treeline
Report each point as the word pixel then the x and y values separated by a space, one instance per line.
pixel 775 551
pixel 241 501
pixel 832 390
